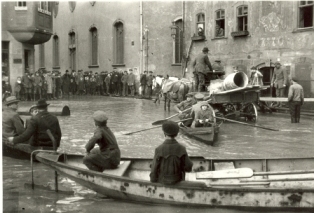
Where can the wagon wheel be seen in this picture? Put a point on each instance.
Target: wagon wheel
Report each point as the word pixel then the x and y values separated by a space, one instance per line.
pixel 250 112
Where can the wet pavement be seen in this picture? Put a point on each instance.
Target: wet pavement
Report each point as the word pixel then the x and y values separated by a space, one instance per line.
pixel 128 115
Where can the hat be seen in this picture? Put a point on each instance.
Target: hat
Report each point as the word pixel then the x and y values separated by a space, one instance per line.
pixel 218 60
pixel 277 62
pixel 41 103
pixel 100 116
pixel 11 100
pixel 145 71
pixel 67 71
pixel 32 107
pixel 204 103
pixel 294 79
pixel 205 49
pixel 170 128
pixel 189 95
pixel 199 96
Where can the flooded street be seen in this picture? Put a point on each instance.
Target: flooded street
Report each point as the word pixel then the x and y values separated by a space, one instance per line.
pixel 128 115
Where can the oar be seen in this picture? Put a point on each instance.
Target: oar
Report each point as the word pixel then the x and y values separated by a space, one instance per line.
pixel 154 127
pixel 164 120
pixel 239 122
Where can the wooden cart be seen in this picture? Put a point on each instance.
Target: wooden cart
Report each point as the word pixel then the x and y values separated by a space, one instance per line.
pixel 239 102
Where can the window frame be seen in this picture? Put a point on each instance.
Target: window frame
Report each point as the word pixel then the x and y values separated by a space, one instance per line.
pixel 242 16
pixel 299 14
pixel 93 61
pixel 178 43
pixel 44 7
pixel 23 7
pixel 198 22
pixel 219 20
pixel 116 51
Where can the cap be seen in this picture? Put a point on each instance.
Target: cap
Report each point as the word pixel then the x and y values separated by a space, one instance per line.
pixel 100 116
pixel 205 49
pixel 170 128
pixel 42 103
pixel 294 79
pixel 31 108
pixel 205 103
pixel 199 96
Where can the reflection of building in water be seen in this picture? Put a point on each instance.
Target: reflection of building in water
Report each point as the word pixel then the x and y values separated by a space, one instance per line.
pixel 99 36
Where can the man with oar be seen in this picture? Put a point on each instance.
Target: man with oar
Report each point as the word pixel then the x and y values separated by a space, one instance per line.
pixel 181 109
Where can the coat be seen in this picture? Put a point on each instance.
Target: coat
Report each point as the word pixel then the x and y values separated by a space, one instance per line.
pixel 27 82
pixel 279 77
pixel 37 127
pixel 201 62
pixel 131 79
pixel 150 80
pixel 12 124
pixel 124 79
pixel 170 163
pixel 50 84
pixel 143 80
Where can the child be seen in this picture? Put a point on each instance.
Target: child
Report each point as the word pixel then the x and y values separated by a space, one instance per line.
pixel 205 116
pixel 18 88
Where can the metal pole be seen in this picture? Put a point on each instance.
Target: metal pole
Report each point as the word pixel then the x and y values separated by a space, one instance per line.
pixel 147 51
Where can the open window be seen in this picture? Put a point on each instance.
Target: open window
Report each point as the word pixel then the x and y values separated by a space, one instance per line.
pixel 220 23
pixel 242 18
pixel 178 42
pixel 200 24
pixel 306 17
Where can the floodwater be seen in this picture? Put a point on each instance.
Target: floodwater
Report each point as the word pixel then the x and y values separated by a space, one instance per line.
pixel 128 115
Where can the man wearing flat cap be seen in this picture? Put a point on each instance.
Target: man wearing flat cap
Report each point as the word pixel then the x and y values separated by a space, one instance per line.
pixel 199 97
pixel 107 156
pixel 36 131
pixel 12 124
pixel 201 64
pixel 279 80
pixel 295 100
pixel 171 159
pixel 184 105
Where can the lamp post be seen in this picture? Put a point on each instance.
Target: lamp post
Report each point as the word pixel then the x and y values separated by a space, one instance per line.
pixel 146 32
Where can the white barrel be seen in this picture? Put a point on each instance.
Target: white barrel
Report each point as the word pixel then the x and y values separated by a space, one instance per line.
pixel 235 80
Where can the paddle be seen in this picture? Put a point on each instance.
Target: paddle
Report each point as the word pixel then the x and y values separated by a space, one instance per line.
pixel 228 173
pixel 154 127
pixel 262 127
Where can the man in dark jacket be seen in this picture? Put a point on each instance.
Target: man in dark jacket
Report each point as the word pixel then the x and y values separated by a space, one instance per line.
pixel 150 79
pixel 107 156
pixel 295 99
pixel 143 82
pixel 66 82
pixel 171 159
pixel 200 64
pixel 36 131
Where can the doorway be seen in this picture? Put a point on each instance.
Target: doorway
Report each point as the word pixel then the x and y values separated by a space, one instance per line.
pixel 267 73
pixel 26 59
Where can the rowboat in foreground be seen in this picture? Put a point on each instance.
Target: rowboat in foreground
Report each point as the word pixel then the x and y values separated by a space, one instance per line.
pixel 273 183
pixel 207 135
pixel 21 150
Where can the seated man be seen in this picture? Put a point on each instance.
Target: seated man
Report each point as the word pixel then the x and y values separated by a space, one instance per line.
pixel 12 124
pixel 36 131
pixel 171 159
pixel 107 156
pixel 197 107
pixel 183 106
pixel 204 117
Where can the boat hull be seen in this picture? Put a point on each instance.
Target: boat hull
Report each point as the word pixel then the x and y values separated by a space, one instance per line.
pixel 207 135
pixel 134 185
pixel 21 151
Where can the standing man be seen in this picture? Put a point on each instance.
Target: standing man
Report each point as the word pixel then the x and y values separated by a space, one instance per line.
pixel 279 80
pixel 66 81
pixel 295 99
pixel 131 82
pixel 37 127
pixel 143 82
pixel 217 67
pixel 150 79
pixel 12 124
pixel 124 81
pixel 27 86
pixel 38 82
pixel 200 64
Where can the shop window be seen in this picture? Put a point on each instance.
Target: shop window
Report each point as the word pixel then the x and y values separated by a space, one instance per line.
pixel 220 23
pixel 306 17
pixel 94 45
pixel 118 43
pixel 55 51
pixel 200 24
pixel 242 18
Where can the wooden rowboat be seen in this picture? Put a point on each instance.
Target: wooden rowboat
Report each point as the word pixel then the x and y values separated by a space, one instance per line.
pixel 275 183
pixel 21 150
pixel 207 135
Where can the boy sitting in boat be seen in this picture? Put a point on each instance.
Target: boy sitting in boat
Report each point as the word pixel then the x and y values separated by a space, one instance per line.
pixel 171 159
pixel 204 117
pixel 184 105
pixel 107 156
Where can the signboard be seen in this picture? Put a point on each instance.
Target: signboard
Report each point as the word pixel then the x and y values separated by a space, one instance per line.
pixel 17 61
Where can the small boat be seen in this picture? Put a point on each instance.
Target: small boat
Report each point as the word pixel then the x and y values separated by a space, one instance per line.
pixel 253 183
pixel 208 135
pixel 22 150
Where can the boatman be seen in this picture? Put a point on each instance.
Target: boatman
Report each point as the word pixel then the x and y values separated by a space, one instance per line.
pixel 36 131
pixel 295 100
pixel 199 97
pixel 12 124
pixel 205 116
pixel 107 156
pixel 188 103
pixel 171 159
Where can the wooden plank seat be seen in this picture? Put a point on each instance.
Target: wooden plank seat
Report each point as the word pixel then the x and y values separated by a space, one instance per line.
pixel 124 165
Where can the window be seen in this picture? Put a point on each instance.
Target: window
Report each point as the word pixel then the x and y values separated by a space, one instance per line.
pixel 72 50
pixel 21 5
pixel 94 45
pixel 200 24
pixel 44 7
pixel 119 43
pixel 242 18
pixel 55 50
pixel 306 9
pixel 220 23
pixel 178 42
pixel 42 56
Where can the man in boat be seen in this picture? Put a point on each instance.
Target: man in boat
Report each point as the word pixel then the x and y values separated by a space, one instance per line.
pixel 186 104
pixel 295 100
pixel 205 116
pixel 199 97
pixel 107 156
pixel 36 131
pixel 12 124
pixel 171 159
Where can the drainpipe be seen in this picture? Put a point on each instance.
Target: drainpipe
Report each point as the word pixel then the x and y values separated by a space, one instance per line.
pixel 183 36
pixel 141 36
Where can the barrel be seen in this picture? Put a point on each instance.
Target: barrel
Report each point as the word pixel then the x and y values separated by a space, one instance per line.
pixel 57 110
pixel 235 80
